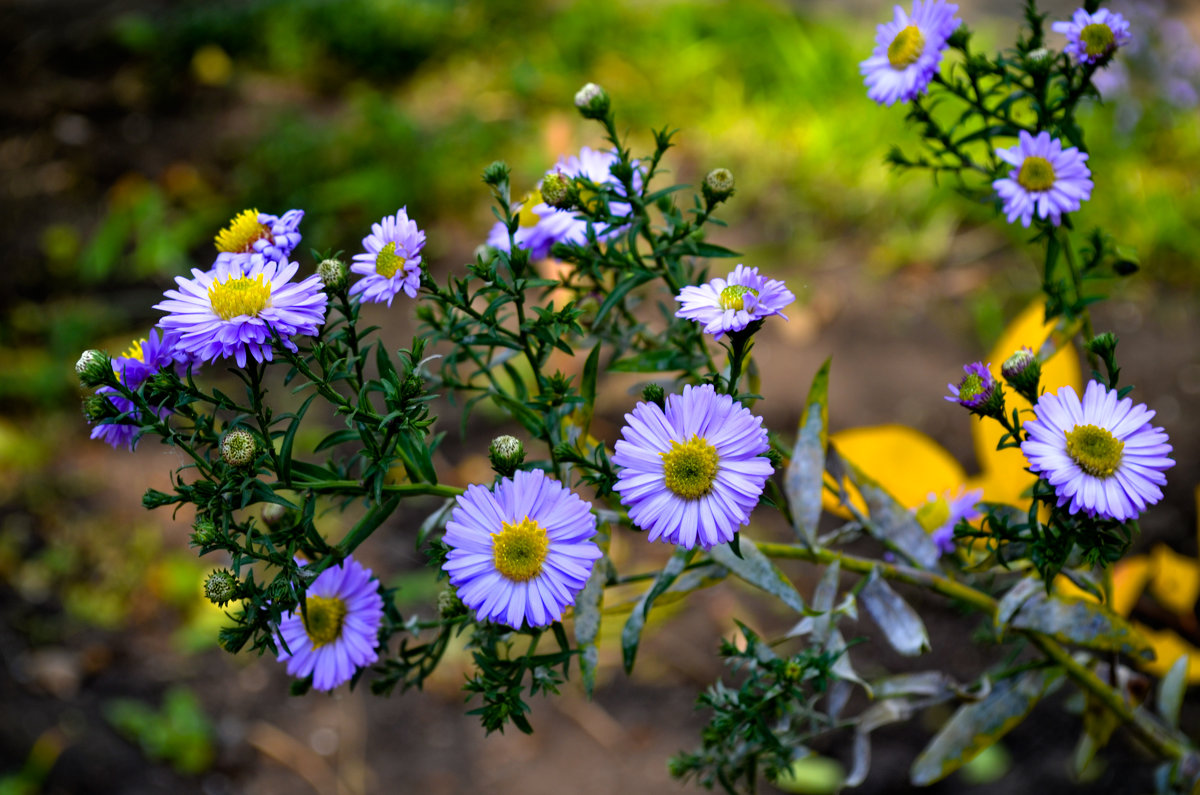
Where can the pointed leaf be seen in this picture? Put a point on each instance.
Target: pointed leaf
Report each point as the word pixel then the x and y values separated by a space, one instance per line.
pixel 631 635
pixel 977 726
pixel 1081 622
pixel 1170 692
pixel 757 569
pixel 900 623
pixel 892 523
pixel 587 624
pixel 802 483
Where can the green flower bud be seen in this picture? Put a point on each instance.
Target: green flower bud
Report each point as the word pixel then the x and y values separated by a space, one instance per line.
pixel 94 368
pixel 558 191
pixel 205 533
pixel 506 454
pixel 334 274
pixel 654 393
pixel 592 101
pixel 222 587
pixel 1103 345
pixel 449 605
pixel 239 448
pixel 718 185
pixel 99 407
pixel 1023 371
pixel 273 514
pixel 496 174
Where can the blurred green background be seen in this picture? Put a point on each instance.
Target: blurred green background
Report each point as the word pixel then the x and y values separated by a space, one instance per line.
pixel 132 131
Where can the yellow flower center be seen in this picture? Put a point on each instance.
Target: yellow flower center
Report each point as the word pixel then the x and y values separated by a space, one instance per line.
pixel 325 617
pixel 519 550
pixel 1036 174
pixel 689 469
pixel 239 237
pixel 1097 39
pixel 387 261
pixel 731 296
pixel 135 350
pixel 527 216
pixel 240 296
pixel 1096 450
pixel 933 514
pixel 906 48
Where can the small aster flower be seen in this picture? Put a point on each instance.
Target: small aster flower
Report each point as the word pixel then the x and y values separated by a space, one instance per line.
pixel 251 232
pixel 541 226
pixel 231 310
pixel 520 553
pixel 392 261
pixel 1093 38
pixel 1045 177
pixel 692 473
pixel 341 632
pixel 908 50
pixel 144 358
pixel 732 303
pixel 1102 456
pixel 976 389
pixel 940 514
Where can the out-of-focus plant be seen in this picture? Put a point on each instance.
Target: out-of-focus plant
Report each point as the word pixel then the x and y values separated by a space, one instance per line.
pixel 179 733
pixel 526 554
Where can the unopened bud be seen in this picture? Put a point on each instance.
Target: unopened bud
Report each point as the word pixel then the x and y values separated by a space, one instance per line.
pixel 718 185
pixel 506 454
pixel 496 174
pixel 1103 345
pixel 273 514
pixel 558 191
pixel 205 533
pixel 449 605
pixel 1022 371
pixel 592 101
pixel 238 448
pixel 222 587
pixel 94 368
pixel 333 273
pixel 99 407
pixel 654 393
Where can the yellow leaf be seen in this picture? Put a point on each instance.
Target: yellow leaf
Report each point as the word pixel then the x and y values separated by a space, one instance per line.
pixel 906 463
pixel 1169 647
pixel 1129 581
pixel 1176 580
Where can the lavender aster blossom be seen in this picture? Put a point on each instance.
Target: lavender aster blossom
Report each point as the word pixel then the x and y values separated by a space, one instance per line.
pixel 732 303
pixel 251 232
pixel 541 226
pixel 392 261
pixel 940 514
pixel 1102 456
pixel 340 636
pixel 976 388
pixel 908 50
pixel 693 473
pixel 1093 38
pixel 144 358
pixel 520 554
pixel 1045 177
pixel 231 310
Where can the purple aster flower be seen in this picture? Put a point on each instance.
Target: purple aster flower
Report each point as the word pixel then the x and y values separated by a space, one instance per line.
pixel 541 226
pixel 144 358
pixel 392 261
pixel 342 630
pixel 976 388
pixel 940 514
pixel 251 232
pixel 520 554
pixel 908 50
pixel 732 303
pixel 233 309
pixel 1102 455
pixel 1093 38
pixel 693 473
pixel 1044 177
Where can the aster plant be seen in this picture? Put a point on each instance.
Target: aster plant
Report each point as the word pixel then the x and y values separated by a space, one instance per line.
pixel 526 558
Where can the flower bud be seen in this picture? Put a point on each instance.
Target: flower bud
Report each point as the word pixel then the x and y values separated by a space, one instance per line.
pixel 333 273
pixel 592 101
pixel 273 514
pixel 1103 345
pixel 978 391
pixel 222 587
pixel 506 454
pixel 94 368
pixel 558 191
pixel 654 393
pixel 1023 371
pixel 449 605
pixel 718 186
pixel 238 448
pixel 99 407
pixel 205 533
pixel 496 174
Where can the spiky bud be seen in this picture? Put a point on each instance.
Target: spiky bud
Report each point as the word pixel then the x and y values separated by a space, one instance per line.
pixel 496 174
pixel 222 587
pixel 334 274
pixel 94 368
pixel 718 185
pixel 449 605
pixel 239 448
pixel 654 393
pixel 205 533
pixel 558 191
pixel 506 454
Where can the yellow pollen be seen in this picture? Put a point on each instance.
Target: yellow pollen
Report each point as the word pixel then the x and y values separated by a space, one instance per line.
pixel 1097 39
pixel 731 296
pixel 1036 174
pixel 325 617
pixel 519 550
pixel 135 350
pixel 933 514
pixel 239 237
pixel 387 261
pixel 527 216
pixel 906 48
pixel 1096 450
pixel 689 469
pixel 240 296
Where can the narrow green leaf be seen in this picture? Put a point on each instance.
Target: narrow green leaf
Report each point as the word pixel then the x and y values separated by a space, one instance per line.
pixel 631 635
pixel 619 292
pixel 289 441
pixel 370 521
pixel 757 569
pixel 587 389
pixel 977 726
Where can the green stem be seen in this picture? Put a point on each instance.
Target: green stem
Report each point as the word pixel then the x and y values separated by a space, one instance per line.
pixel 402 489
pixel 1081 309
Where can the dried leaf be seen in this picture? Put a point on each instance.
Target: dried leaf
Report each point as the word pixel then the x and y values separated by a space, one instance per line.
pixel 1080 622
pixel 904 629
pixel 757 569
pixel 892 523
pixel 1171 690
pixel 805 471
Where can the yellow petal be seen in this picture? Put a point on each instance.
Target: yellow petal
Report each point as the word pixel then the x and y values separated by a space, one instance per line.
pixel 1176 580
pixel 906 463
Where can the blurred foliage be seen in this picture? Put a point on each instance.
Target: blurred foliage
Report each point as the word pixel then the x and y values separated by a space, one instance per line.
pixel 179 733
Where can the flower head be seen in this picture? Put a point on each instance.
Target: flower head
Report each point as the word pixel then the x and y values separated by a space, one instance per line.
pixel 392 261
pixel 908 50
pixel 940 514
pixel 692 473
pixel 541 226
pixel 344 611
pixel 1093 38
pixel 251 232
pixel 232 309
pixel 1102 456
pixel 1045 177
pixel 732 303
pixel 521 552
pixel 142 359
pixel 976 388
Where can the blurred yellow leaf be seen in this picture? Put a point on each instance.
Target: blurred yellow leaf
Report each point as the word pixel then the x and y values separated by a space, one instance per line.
pixel 907 463
pixel 1176 580
pixel 1129 581
pixel 1169 647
